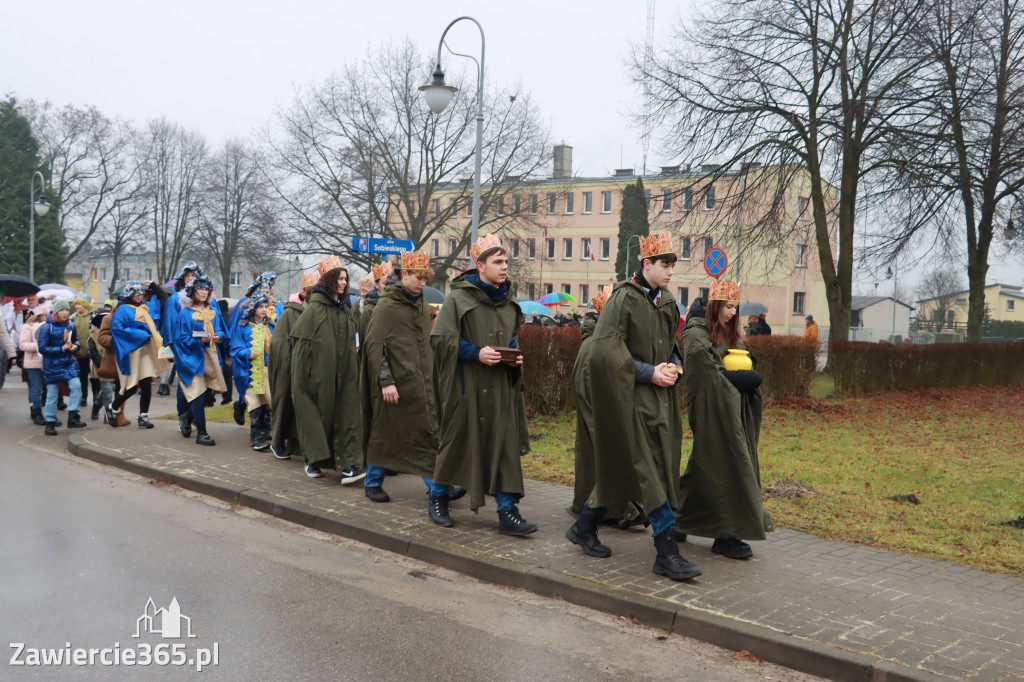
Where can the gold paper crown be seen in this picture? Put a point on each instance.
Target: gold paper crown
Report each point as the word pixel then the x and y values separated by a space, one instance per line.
pixel 725 291
pixel 328 264
pixel 484 244
pixel 600 298
pixel 308 279
pixel 415 260
pixel 656 245
pixel 381 270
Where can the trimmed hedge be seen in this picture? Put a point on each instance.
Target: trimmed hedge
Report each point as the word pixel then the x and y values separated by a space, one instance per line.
pixel 786 363
pixel 869 367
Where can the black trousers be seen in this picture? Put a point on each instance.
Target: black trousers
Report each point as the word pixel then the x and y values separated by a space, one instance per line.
pixel 84 366
pixel 145 391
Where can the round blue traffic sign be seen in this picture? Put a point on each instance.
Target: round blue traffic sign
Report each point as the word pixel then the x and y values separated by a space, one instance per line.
pixel 715 262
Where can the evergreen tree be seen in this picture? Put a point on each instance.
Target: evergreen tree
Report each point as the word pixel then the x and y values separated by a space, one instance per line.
pixel 19 159
pixel 632 221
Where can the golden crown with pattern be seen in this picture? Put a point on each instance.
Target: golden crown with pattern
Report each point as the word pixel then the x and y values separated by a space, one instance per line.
pixel 415 260
pixel 309 279
pixel 483 245
pixel 656 245
pixel 725 291
pixel 332 262
pixel 600 298
pixel 381 270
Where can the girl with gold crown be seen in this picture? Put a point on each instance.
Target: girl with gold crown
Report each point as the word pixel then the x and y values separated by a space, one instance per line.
pixel 720 491
pixel 250 351
pixel 198 333
pixel 284 433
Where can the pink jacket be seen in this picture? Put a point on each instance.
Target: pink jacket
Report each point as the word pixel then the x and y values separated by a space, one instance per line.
pixel 27 343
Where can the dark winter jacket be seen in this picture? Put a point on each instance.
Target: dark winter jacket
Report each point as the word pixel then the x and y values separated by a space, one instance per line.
pixel 58 364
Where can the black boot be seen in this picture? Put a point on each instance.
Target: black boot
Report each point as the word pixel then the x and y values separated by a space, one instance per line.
pixel 260 421
pixel 74 422
pixel 185 424
pixel 669 563
pixel 240 412
pixel 37 417
pixel 254 429
pixel 163 389
pixel 51 428
pixel 203 438
pixel 376 493
pixel 731 548
pixel 511 522
pixel 438 507
pixel 144 422
pixel 584 534
pixel 95 412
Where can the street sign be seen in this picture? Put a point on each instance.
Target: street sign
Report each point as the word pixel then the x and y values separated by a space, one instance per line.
pixel 368 245
pixel 715 262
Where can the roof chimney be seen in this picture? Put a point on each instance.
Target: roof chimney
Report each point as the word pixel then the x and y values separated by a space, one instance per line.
pixel 563 161
pixel 623 172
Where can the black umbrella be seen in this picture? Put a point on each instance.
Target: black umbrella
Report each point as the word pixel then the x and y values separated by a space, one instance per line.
pixel 433 295
pixel 750 308
pixel 17 286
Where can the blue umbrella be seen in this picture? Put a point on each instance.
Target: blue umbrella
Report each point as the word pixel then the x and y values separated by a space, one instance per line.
pixel 533 308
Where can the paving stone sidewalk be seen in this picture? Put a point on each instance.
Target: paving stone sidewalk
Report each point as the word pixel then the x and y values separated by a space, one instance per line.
pixel 837 610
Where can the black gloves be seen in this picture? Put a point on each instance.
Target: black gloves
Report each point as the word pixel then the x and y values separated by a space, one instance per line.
pixel 743 379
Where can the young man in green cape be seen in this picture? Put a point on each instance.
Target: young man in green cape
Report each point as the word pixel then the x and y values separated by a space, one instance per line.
pixel 633 362
pixel 284 432
pixel 483 412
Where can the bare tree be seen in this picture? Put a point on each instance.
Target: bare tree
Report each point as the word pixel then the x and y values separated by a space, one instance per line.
pixel 174 160
pixel 236 212
pixel 361 155
pixel 940 287
pixel 91 168
pixel 965 161
pixel 809 88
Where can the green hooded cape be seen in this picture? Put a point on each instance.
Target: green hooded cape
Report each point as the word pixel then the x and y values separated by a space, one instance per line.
pixel 720 491
pixel 635 431
pixel 400 437
pixel 364 316
pixel 282 408
pixel 325 383
pixel 483 412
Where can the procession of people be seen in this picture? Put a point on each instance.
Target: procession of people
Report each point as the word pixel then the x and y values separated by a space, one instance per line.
pixel 380 388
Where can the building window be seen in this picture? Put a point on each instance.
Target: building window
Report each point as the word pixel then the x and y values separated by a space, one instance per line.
pixel 501 206
pixel 584 293
pixel 452 247
pixel 530 291
pixel 1009 305
pixel 149 274
pixel 684 295
pixel 705 292
pixel 684 248
pixel 588 202
pixel 666 200
pixel 516 204
pixel 469 208
pixel 468 252
pixel 453 205
pixel 515 248
pixel 709 243
pixel 412 208
pixel 533 204
pixel 585 251
pixel 549 288
pixel 606 248
pixel 437 207
pixel 552 201
pixel 531 249
pixel 103 273
pixel 709 198
pixel 567 249
pixel 126 274
pixel 549 249
pixel 236 279
pixel 801 207
pixel 566 289
pixel 435 248
pixel 798 303
pixel 647 198
pixel 687 199
pixel 569 203
pixel 801 254
pixel 606 202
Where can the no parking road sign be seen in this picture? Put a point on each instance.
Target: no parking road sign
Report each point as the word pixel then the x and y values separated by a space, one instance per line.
pixel 715 262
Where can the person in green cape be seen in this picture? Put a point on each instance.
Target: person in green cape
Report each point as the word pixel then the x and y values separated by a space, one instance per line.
pixel 284 440
pixel 636 426
pixel 483 412
pixel 720 490
pixel 325 377
pixel 379 272
pixel 396 381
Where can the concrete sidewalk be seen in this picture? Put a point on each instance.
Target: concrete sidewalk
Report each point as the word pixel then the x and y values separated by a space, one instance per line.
pixel 840 611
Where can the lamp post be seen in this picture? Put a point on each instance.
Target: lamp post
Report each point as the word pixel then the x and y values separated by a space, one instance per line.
pixel 41 208
pixel 438 94
pixel 893 274
pixel 629 246
pixel 1011 232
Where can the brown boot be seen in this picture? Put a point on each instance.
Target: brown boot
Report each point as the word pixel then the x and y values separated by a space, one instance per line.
pixel 123 420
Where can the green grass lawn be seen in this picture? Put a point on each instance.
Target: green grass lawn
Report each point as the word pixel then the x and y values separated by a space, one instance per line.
pixel 957 450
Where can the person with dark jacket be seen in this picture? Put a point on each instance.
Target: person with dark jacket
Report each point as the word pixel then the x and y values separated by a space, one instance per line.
pixel 58 342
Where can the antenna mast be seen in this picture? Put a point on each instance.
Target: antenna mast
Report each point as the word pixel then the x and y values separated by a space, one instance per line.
pixel 645 135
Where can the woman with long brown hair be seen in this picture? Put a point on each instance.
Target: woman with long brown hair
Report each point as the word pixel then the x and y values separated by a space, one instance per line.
pixel 720 490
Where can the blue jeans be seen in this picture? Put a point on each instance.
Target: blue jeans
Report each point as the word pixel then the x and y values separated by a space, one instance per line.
pixel 35 387
pixel 74 400
pixel 505 500
pixel 436 489
pixel 661 518
pixel 375 477
pixel 197 407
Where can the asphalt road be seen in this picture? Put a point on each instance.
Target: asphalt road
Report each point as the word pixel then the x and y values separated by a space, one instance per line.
pixel 83 548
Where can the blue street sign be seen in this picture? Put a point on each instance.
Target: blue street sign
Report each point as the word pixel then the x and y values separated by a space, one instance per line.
pixel 715 262
pixel 367 245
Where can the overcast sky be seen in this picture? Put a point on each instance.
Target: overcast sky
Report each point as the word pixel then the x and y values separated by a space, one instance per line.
pixel 224 67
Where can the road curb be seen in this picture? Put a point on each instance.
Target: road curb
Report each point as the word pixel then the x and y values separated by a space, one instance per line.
pixel 770 645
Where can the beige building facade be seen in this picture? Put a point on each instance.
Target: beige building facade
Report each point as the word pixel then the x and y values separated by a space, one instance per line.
pixel 1004 301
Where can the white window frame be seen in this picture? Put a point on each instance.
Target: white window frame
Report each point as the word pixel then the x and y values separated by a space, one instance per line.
pixel 800 296
pixel 708 243
pixel 585 293
pixel 606 202
pixel 709 198
pixel 570 203
pixel 682 296
pixel 453 247
pixel 514 249
pixel 517 204
pixel 552 203
pixel 801 256
pixel 531 249
pixel 584 243
pixel 1009 305
pixel 236 279
pixel 684 241
pixel 549 248
pixel 687 199
pixel 801 211
pixel 501 206
pixel 533 204
pixel 606 248
pixel 567 248
pixel 435 248
pixel 588 203
pixel 666 200
pixel 549 289
pixel 566 288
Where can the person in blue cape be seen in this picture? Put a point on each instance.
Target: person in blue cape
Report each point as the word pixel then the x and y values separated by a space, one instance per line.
pixel 170 310
pixel 137 343
pixel 263 283
pixel 197 335
pixel 250 352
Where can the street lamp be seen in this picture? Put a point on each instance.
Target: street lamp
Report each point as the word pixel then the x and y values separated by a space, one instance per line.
pixel 438 94
pixel 629 246
pixel 1011 232
pixel 893 273
pixel 40 208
